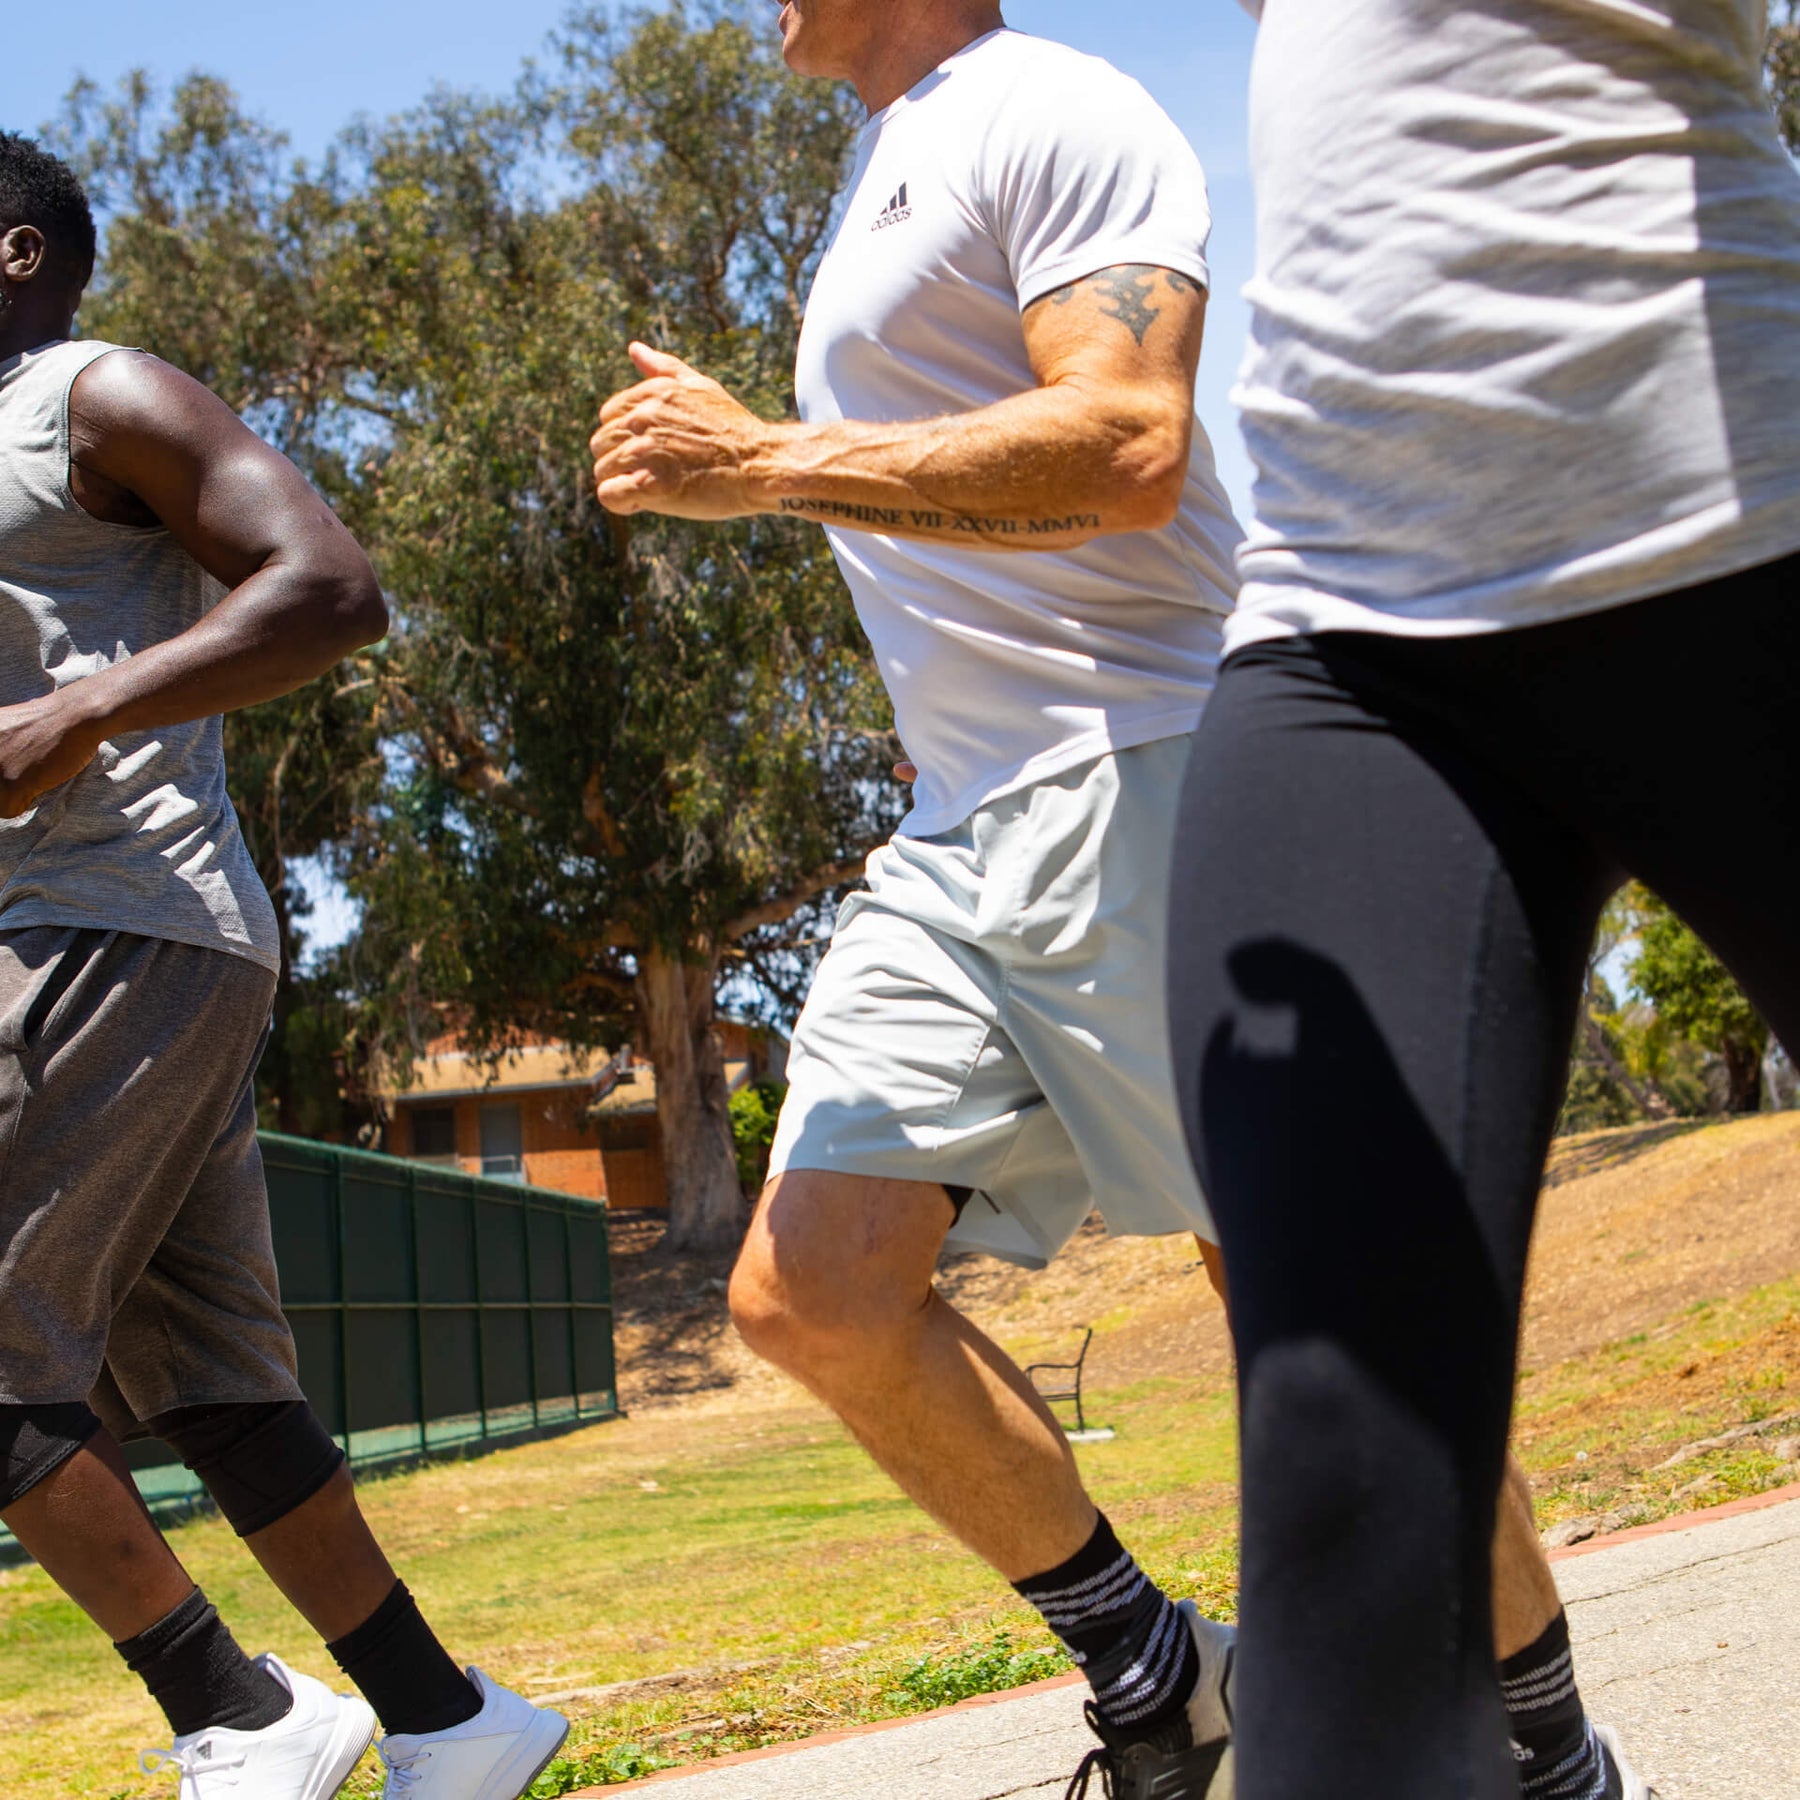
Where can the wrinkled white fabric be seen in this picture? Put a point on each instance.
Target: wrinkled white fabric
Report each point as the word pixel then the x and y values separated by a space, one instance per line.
pixel 1526 314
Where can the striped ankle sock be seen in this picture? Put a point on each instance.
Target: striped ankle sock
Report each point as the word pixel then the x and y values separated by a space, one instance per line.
pixel 1124 1632
pixel 1559 1754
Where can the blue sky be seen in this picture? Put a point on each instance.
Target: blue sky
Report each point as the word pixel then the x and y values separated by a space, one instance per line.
pixel 310 72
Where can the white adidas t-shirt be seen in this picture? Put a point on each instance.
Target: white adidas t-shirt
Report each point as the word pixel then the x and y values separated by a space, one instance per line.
pixel 1016 167
pixel 1526 317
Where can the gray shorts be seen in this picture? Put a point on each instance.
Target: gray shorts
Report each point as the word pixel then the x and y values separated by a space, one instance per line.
pixel 991 1016
pixel 136 1267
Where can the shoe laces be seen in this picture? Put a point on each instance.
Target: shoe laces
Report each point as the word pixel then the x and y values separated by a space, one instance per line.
pixel 405 1774
pixel 1098 1761
pixel 189 1764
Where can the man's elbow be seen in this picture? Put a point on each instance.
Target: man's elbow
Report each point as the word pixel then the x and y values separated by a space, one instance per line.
pixel 349 597
pixel 1153 476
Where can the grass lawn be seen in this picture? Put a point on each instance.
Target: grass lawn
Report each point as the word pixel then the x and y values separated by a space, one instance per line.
pixel 752 1577
pixel 724 1569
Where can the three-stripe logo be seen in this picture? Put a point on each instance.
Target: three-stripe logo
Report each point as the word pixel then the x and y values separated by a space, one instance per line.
pixel 896 210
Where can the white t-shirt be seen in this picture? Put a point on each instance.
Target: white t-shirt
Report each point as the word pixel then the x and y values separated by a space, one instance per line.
pixel 1526 317
pixel 1016 167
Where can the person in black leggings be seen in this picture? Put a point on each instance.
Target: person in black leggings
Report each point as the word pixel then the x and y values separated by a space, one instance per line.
pixel 1372 1008
pixel 1520 618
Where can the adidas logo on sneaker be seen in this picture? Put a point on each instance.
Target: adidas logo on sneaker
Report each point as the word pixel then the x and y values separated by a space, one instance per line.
pixel 894 212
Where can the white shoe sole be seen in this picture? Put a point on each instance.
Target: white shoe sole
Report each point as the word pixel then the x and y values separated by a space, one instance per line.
pixel 1636 1787
pixel 529 1758
pixel 354 1733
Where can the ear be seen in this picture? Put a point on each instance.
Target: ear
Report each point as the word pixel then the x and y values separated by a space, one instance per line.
pixel 22 253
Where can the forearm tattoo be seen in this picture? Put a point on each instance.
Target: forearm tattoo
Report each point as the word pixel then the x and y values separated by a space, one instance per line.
pixel 913 518
pixel 1126 292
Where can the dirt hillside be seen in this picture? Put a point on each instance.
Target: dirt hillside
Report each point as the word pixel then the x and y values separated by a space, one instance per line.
pixel 1634 1225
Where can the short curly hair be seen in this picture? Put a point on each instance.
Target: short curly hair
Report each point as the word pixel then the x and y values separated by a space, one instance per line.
pixel 39 189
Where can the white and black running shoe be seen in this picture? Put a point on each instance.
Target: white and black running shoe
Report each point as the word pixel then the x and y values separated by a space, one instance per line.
pixel 1190 1759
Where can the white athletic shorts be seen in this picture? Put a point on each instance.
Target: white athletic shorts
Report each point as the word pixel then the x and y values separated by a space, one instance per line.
pixel 990 1015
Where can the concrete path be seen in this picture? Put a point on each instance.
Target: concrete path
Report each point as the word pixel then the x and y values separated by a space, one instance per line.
pixel 1687 1639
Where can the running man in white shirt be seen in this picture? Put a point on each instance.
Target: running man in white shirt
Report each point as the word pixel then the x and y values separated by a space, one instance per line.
pixel 1524 399
pixel 999 355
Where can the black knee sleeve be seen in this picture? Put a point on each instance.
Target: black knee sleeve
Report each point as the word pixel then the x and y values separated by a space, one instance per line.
pixel 35 1441
pixel 259 1461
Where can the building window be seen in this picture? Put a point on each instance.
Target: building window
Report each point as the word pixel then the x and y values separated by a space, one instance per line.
pixel 502 1142
pixel 434 1132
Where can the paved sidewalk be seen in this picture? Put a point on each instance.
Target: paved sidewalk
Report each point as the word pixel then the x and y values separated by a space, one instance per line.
pixel 1686 1638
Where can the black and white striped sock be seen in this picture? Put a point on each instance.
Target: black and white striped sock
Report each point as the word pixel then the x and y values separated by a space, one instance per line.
pixel 1560 1756
pixel 1134 1647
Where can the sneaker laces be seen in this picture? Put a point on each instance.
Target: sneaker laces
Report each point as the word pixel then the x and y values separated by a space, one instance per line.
pixel 188 1763
pixel 1098 1761
pixel 405 1774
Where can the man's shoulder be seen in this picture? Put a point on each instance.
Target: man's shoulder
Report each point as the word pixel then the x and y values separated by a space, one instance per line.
pixel 1037 71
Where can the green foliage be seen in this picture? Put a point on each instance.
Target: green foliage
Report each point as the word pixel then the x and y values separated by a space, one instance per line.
pixel 1781 65
pixel 599 1768
pixel 987 1668
pixel 754 1111
pixel 1696 998
pixel 598 760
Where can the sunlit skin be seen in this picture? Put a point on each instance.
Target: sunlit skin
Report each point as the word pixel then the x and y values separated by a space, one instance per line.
pixel 835 1281
pixel 1099 445
pixel 150 447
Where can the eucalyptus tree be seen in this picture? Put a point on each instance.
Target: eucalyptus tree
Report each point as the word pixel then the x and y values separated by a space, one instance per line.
pixel 630 755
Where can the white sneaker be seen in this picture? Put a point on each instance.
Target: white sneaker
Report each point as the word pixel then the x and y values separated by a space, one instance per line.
pixel 496 1755
pixel 1631 1783
pixel 306 1756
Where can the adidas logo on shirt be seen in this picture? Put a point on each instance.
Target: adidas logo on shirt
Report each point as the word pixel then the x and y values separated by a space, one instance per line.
pixel 896 210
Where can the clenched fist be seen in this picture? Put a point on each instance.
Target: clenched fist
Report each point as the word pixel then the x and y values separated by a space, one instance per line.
pixel 677 443
pixel 43 743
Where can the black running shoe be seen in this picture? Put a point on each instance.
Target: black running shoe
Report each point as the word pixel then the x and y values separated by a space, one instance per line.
pixel 1169 1766
pixel 1189 1759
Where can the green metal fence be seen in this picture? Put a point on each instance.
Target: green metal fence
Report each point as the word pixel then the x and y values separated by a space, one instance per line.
pixel 432 1310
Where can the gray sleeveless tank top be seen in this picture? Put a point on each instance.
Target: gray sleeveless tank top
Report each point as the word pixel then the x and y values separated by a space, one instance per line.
pixel 144 839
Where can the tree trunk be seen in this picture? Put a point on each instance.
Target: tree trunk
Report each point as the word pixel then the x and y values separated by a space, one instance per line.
pixel 693 1116
pixel 1650 1101
pixel 1743 1074
pixel 277 1067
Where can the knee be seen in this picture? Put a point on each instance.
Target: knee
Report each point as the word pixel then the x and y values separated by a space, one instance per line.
pixel 260 1461
pixel 783 1315
pixel 35 1441
pixel 810 1316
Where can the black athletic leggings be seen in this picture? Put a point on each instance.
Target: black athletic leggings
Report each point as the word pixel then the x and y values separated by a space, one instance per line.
pixel 1393 854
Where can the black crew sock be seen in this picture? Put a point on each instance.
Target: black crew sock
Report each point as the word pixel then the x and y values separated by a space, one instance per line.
pixel 403 1671
pixel 1558 1751
pixel 1135 1649
pixel 198 1675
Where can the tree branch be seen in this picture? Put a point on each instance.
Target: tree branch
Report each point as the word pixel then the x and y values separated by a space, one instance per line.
pixel 789 902
pixel 1651 1102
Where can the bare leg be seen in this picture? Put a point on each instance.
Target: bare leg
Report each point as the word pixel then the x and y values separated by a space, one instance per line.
pixel 326 1561
pixel 91 1534
pixel 1525 1596
pixel 835 1286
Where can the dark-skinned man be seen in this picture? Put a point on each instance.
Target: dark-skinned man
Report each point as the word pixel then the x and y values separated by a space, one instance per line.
pixel 161 565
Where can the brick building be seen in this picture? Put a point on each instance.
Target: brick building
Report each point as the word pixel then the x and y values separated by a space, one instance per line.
pixel 577 1122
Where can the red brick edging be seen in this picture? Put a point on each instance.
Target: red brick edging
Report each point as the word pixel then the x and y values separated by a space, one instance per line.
pixel 828 1737
pixel 1679 1522
pixel 1728 1509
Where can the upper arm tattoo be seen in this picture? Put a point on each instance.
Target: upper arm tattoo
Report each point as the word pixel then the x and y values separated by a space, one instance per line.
pixel 1126 293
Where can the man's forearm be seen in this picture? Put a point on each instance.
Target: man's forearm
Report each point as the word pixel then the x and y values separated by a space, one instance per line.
pixel 282 628
pixel 1044 470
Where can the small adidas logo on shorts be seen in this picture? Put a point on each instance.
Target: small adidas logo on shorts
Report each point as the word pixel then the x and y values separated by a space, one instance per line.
pixel 895 210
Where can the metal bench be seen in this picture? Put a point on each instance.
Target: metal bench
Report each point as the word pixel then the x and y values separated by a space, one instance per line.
pixel 1069 1389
